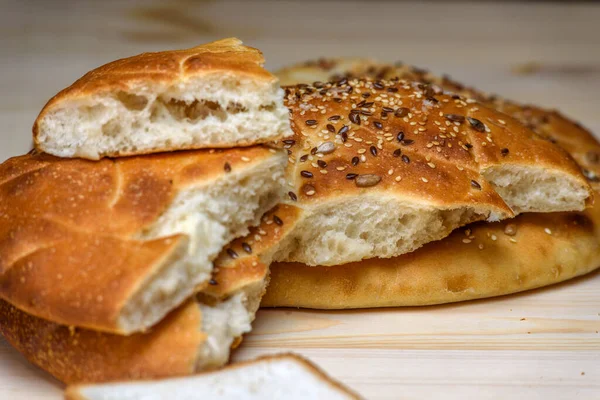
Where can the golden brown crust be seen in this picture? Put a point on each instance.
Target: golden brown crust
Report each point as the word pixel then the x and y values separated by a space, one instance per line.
pixel 409 139
pixel 72 391
pixel 476 262
pixel 227 55
pixel 570 135
pixel 171 347
pixel 81 355
pixel 75 225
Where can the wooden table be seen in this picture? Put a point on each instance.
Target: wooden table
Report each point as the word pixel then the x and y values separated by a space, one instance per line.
pixel 543 344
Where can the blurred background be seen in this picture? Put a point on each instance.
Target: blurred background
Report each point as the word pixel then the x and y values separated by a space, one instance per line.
pixel 546 53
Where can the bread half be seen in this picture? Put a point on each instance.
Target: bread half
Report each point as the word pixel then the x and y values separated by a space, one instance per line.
pixel 482 260
pixel 114 245
pixel 195 337
pixel 378 168
pixel 280 376
pixel 214 95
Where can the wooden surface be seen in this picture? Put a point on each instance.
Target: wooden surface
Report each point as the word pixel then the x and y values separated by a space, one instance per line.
pixel 481 349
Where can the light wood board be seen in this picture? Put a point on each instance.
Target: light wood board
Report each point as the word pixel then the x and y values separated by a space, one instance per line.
pixel 540 345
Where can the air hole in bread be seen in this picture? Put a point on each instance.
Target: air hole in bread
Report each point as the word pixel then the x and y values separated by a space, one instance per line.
pixel 132 101
pixel 111 128
pixel 267 107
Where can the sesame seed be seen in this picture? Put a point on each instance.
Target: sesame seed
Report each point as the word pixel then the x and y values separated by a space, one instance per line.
pixel 455 117
pixel 311 122
pixel 400 136
pixel 330 128
pixel 494 237
pixel 232 253
pixel 246 159
pixel 277 220
pixel 373 151
pixel 431 165
pixel 378 124
pixel 476 124
pixel 355 118
pixel 424 179
pixel 334 118
pixel 213 282
pixel 407 142
pixel 475 184
pixel 405 158
pixel 351 176
pixel 361 151
pixel 227 167
pixel 397 152
pixel 355 161
pixel 293 196
pixel 398 178
pixel 548 231
pixel 321 163
pixel 504 152
pixel 308 190
pixel 510 230
pixel 402 112
pixel 306 174
pixel 290 142
pixel 466 241
pixel 247 248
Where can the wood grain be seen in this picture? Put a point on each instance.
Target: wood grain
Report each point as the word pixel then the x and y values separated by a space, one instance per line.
pixel 531 346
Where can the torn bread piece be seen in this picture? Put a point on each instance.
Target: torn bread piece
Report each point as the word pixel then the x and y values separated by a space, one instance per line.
pixel 270 377
pixel 214 95
pixel 115 245
pixel 381 167
pixel 195 337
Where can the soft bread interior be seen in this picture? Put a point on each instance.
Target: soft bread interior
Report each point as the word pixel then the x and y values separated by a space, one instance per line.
pixel 529 189
pixel 368 227
pixel 280 377
pixel 215 110
pixel 226 321
pixel 211 216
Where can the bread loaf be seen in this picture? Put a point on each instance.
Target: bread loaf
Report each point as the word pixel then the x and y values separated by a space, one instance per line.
pixel 214 95
pixel 196 336
pixel 482 260
pixel 114 245
pixel 380 167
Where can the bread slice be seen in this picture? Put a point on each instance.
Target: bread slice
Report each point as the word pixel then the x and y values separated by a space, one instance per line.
pixel 272 377
pixel 214 95
pixel 115 245
pixel 381 167
pixel 195 337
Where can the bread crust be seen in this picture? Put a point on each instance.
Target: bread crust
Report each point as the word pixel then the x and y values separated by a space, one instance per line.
pixel 171 347
pixel 82 355
pixel 577 140
pixel 226 56
pixel 71 247
pixel 477 262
